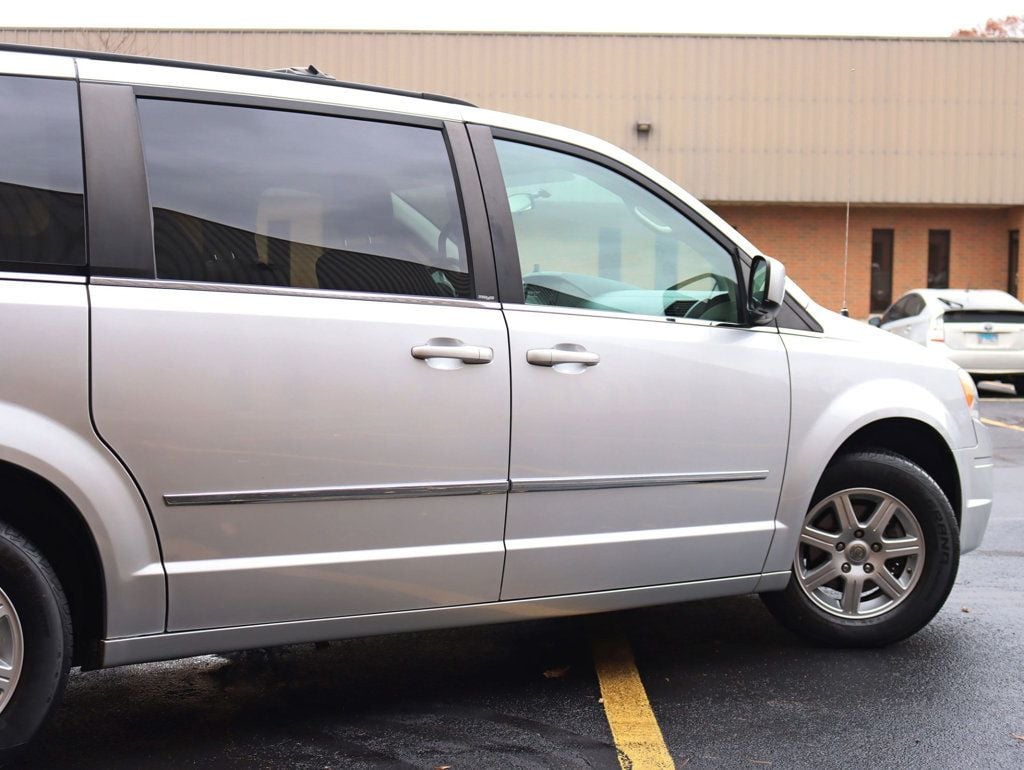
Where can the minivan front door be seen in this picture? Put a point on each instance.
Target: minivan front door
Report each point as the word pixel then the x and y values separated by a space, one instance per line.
pixel 649 429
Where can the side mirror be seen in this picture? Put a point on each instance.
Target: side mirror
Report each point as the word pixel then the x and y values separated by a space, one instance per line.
pixel 767 290
pixel 875 320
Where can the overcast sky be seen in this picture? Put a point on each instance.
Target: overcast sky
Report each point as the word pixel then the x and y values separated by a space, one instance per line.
pixel 801 17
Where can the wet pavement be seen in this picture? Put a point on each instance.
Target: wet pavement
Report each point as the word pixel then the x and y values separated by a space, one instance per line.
pixel 729 687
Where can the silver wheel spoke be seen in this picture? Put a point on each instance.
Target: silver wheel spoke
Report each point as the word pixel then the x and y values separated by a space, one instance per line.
pixel 816 538
pixel 851 595
pixel 904 546
pixel 844 509
pixel 881 517
pixel 888 583
pixel 821 575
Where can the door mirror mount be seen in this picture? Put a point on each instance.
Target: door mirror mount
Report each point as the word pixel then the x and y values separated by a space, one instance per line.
pixel 766 291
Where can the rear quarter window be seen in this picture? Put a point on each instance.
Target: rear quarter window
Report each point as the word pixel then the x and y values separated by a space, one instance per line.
pixel 42 201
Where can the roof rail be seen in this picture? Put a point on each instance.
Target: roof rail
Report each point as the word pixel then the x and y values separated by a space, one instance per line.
pixel 309 75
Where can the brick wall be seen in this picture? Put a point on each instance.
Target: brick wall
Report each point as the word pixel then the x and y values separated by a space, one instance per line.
pixel 809 240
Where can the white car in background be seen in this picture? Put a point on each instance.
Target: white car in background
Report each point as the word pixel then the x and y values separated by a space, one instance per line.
pixel 980 330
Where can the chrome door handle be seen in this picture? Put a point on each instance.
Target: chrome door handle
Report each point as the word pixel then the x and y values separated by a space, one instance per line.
pixel 556 356
pixel 468 354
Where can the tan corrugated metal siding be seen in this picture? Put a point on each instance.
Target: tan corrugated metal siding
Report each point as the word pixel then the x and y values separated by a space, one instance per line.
pixel 734 118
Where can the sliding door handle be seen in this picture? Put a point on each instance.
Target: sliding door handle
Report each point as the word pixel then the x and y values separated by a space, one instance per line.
pixel 468 354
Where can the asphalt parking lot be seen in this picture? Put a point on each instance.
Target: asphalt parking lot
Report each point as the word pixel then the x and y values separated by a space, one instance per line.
pixel 727 686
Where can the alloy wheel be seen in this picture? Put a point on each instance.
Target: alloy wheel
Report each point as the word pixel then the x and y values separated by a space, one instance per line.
pixel 861 553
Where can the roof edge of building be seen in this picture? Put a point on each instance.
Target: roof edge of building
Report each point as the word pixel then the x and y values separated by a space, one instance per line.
pixel 517 33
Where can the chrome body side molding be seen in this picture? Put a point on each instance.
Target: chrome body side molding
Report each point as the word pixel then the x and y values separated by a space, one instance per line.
pixel 321 494
pixel 455 489
pixel 575 483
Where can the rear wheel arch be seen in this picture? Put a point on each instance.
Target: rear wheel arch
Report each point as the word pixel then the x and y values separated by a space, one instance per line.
pixel 45 516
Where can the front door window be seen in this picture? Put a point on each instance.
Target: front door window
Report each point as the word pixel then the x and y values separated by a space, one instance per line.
pixel 591 238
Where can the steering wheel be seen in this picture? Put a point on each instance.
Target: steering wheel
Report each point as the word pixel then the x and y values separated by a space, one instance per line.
pixel 719 282
pixel 700 308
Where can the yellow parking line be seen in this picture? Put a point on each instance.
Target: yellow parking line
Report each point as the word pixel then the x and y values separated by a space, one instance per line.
pixel 998 424
pixel 636 733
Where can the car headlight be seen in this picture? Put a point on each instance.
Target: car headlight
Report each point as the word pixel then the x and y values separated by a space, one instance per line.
pixel 970 393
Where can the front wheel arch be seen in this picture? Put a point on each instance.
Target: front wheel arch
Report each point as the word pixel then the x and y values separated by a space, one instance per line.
pixel 916 441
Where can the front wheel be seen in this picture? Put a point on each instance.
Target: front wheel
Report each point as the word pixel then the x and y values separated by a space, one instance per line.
pixel 877 555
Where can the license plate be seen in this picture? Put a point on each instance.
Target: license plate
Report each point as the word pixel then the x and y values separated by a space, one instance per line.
pixel 988 338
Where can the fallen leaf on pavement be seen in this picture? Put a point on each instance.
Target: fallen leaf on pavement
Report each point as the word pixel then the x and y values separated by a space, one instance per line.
pixel 1019 737
pixel 965 609
pixel 556 673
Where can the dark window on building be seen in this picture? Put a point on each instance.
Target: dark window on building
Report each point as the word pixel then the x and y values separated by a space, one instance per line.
pixel 881 269
pixel 42 205
pixel 1013 262
pixel 938 259
pixel 277 198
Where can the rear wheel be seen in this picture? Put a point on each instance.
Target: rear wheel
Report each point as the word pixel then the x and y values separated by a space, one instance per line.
pixel 35 640
pixel 877 556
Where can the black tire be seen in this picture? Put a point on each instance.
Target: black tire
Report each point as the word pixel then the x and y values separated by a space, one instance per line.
pixel 922 498
pixel 45 620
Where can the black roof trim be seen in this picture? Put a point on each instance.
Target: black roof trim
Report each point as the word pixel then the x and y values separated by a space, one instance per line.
pixel 131 59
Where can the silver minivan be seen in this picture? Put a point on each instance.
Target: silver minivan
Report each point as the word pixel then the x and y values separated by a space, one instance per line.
pixel 287 359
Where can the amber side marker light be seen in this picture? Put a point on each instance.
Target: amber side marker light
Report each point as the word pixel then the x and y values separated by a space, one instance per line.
pixel 970 391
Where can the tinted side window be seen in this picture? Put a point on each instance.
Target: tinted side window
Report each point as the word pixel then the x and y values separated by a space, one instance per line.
pixel 589 237
pixel 896 312
pixel 915 304
pixel 259 196
pixel 42 205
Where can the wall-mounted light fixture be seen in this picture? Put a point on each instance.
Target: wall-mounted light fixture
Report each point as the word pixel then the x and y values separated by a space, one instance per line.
pixel 643 127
